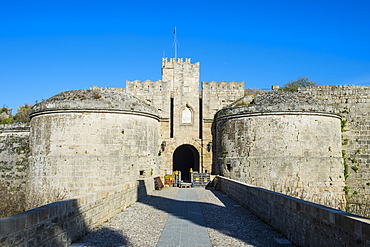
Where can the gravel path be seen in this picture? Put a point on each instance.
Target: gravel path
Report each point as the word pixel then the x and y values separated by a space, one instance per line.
pixel 229 224
pixel 139 225
pixel 142 224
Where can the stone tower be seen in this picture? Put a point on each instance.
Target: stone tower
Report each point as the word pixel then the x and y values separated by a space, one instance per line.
pixel 177 98
pixel 85 140
pixel 281 141
pixel 186 113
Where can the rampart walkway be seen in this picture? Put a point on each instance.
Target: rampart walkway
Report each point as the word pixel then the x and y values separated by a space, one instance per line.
pixel 184 217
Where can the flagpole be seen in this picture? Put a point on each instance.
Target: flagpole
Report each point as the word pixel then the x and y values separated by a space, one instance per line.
pixel 175 42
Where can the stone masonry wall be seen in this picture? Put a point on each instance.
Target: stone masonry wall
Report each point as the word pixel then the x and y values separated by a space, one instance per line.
pixel 302 222
pixel 155 93
pixel 353 101
pixel 61 223
pixel 85 152
pixel 14 151
pixel 283 142
pixel 85 140
pixel 183 78
pixel 217 95
pixel 180 82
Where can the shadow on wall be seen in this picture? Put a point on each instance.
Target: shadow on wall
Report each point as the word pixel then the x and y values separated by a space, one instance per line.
pixel 61 223
pixel 141 190
pixel 54 224
pixel 106 236
pixel 303 222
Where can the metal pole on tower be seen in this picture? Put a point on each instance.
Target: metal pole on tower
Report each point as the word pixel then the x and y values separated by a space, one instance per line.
pixel 175 42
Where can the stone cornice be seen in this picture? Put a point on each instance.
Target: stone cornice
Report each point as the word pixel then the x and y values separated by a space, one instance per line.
pixel 259 114
pixel 82 111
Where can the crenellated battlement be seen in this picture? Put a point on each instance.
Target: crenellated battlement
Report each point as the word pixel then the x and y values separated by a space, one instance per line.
pixel 217 95
pixel 171 61
pixel 96 88
pixel 138 82
pixel 180 73
pixel 222 86
pixel 146 86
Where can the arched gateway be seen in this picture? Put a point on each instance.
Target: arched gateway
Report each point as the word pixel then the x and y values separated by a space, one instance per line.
pixel 185 157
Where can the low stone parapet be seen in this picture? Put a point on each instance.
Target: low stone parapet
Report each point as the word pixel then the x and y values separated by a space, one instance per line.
pixel 61 223
pixel 302 222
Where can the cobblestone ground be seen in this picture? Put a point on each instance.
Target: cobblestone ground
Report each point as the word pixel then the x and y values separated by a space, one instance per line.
pixel 141 224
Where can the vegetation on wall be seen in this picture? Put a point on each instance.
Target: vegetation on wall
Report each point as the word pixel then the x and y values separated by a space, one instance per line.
pixel 356 195
pixel 11 201
pixel 5 115
pixel 292 86
pixel 253 91
pixel 14 201
pixel 343 124
pixel 23 115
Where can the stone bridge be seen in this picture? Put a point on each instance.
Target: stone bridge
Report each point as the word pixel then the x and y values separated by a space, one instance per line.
pixel 185 217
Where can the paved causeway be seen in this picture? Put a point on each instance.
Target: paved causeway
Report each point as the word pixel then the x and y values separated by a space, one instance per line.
pixel 185 225
pixel 184 217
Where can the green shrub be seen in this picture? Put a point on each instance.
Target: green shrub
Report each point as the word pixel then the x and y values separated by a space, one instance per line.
pixel 7 120
pixel 12 201
pixel 23 114
pixel 346 190
pixel 355 168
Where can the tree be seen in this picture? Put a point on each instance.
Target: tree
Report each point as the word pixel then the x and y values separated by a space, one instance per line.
pixel 292 86
pixel 23 114
pixel 6 115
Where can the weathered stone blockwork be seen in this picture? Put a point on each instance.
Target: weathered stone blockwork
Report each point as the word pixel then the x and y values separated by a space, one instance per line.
pixel 14 152
pixel 63 222
pixel 284 142
pixel 353 101
pixel 86 140
pixel 303 223
pixel 217 95
pixel 180 85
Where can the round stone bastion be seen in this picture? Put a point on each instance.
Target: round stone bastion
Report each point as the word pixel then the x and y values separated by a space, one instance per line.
pixel 85 140
pixel 282 141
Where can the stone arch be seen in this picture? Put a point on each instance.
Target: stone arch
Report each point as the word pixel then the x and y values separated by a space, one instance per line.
pixel 185 157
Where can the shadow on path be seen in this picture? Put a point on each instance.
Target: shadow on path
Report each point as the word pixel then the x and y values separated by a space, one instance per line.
pixel 227 223
pixel 233 221
pixel 104 237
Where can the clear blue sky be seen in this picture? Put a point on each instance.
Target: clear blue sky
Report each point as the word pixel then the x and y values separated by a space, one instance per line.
pixel 47 47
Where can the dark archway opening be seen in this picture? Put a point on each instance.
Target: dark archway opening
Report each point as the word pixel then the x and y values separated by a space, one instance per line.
pixel 184 158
